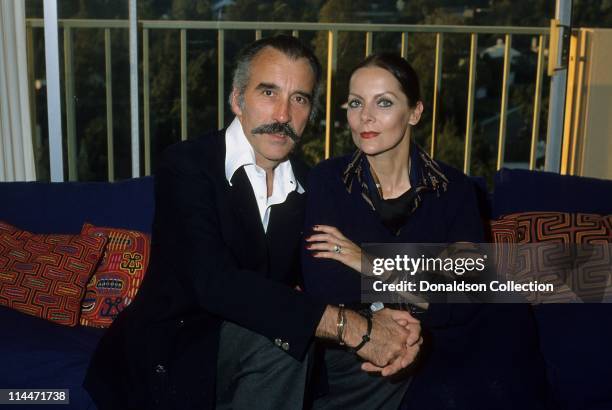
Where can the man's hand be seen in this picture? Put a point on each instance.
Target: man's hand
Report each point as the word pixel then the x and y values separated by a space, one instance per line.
pixel 394 342
pixel 413 343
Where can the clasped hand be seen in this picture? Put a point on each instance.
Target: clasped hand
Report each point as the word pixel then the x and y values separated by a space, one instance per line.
pixel 395 342
pixel 396 335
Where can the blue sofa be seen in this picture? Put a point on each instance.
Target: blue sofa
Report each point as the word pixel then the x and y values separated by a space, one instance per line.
pixel 35 353
pixel 575 340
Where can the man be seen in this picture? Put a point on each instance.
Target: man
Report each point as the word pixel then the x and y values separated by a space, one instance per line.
pixel 218 321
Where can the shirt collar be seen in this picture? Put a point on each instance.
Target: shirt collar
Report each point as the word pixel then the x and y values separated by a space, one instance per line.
pixel 425 174
pixel 239 153
pixel 238 150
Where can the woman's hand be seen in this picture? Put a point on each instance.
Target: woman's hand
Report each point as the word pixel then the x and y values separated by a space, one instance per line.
pixel 329 243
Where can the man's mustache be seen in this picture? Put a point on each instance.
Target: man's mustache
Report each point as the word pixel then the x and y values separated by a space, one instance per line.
pixel 277 128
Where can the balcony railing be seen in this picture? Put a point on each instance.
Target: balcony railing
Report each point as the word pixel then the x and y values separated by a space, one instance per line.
pixel 258 28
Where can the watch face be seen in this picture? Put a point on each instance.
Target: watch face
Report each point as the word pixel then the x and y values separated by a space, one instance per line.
pixel 376 306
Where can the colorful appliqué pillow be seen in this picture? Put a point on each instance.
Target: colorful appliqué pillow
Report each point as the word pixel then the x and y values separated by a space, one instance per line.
pixel 14 231
pixel 115 282
pixel 503 230
pixel 504 234
pixel 569 250
pixel 46 275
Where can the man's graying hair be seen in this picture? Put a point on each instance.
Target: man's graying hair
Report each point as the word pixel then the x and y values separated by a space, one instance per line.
pixel 289 46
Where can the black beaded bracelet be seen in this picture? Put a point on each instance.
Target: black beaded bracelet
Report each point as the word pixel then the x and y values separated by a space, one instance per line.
pixel 366 337
pixel 416 311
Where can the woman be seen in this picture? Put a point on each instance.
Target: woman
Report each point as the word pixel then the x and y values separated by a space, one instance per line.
pixel 391 191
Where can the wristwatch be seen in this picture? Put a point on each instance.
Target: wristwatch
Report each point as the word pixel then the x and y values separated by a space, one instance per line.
pixel 377 306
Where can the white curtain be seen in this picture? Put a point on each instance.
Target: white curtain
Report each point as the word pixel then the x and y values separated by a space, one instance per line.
pixel 17 159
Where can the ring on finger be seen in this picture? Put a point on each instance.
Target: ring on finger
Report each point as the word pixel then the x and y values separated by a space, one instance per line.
pixel 337 249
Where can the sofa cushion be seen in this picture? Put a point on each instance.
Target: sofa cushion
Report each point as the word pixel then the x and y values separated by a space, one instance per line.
pixel 38 354
pixel 46 275
pixel 117 278
pixel 64 207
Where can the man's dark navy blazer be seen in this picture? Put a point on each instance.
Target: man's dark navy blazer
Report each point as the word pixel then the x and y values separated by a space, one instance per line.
pixel 211 261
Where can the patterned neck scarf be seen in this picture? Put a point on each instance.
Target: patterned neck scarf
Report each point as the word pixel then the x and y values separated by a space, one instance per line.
pixel 425 175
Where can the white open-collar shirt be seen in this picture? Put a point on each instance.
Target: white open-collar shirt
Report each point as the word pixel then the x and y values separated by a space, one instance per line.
pixel 239 153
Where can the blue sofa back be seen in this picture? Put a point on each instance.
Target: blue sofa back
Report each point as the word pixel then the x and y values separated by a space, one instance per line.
pixel 63 207
pixel 518 190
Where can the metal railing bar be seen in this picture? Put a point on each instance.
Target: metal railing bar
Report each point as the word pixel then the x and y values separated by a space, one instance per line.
pixel 134 116
pixel 110 150
pixel 289 26
pixel 570 106
pixel 332 55
pixel 368 43
pixel 341 27
pixel 469 122
pixel 581 56
pixel 146 102
pixel 54 108
pixel 220 79
pixel 183 84
pixel 436 93
pixel 81 23
pixel 71 143
pixel 537 100
pixel 32 86
pixel 404 46
pixel 501 145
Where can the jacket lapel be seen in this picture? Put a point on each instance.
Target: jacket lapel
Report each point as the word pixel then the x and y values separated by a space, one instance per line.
pixel 244 207
pixel 237 210
pixel 285 227
pixel 284 231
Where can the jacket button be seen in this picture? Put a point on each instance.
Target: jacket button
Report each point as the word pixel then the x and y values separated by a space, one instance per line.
pixel 278 342
pixel 285 346
pixel 160 369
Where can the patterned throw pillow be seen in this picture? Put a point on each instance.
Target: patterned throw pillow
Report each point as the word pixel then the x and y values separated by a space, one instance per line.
pixel 562 227
pixel 118 277
pixel 14 231
pixel 563 256
pixel 503 230
pixel 503 233
pixel 46 275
